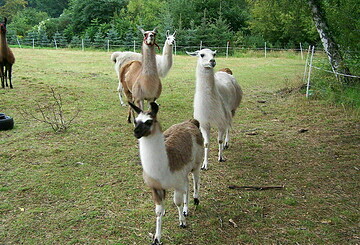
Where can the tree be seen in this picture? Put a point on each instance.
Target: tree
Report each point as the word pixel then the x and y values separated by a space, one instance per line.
pixel 11 8
pixel 281 21
pixel 330 46
pixel 53 7
pixel 26 19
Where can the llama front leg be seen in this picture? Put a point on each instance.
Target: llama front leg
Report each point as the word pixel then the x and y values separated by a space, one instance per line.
pixel 158 197
pixel 205 130
pixel 221 134
pixel 179 202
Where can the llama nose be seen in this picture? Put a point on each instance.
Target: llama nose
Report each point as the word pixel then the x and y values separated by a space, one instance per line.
pixel 213 62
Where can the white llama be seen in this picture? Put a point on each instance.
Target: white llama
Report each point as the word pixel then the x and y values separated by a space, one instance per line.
pixel 167 159
pixel 217 97
pixel 163 62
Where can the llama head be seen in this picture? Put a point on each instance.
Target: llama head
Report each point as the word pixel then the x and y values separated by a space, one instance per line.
pixel 149 36
pixel 206 58
pixel 170 38
pixel 3 26
pixel 144 122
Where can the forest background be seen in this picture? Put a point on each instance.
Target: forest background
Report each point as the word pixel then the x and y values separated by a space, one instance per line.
pixel 250 23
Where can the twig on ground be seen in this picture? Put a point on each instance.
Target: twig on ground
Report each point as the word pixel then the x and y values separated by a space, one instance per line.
pixel 256 188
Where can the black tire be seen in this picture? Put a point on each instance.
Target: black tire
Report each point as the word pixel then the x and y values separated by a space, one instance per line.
pixel 6 122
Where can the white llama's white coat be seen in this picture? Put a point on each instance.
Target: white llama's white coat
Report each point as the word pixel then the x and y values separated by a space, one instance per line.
pixel 217 97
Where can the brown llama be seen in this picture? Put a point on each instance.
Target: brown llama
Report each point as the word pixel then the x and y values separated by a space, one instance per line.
pixel 7 58
pixel 140 79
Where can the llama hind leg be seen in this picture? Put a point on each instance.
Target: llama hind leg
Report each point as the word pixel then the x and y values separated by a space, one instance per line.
pixel 120 92
pixel 179 202
pixel 2 76
pixel 227 139
pixel 9 75
pixel 196 179
pixel 221 135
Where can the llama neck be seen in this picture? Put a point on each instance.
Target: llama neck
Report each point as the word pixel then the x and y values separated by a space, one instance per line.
pixel 205 80
pixel 3 43
pixel 153 154
pixel 167 55
pixel 149 60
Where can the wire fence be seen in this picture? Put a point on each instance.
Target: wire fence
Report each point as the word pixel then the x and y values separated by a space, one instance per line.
pixel 317 66
pixel 110 45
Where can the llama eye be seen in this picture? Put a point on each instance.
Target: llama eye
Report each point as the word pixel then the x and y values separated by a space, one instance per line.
pixel 202 55
pixel 148 123
pixel 214 55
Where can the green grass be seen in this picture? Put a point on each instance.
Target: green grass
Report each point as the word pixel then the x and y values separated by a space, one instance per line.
pixel 48 197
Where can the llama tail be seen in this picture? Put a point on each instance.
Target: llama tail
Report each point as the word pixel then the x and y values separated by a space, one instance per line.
pixel 195 122
pixel 114 56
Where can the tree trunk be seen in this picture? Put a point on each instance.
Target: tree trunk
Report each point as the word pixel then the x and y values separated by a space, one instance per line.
pixel 330 46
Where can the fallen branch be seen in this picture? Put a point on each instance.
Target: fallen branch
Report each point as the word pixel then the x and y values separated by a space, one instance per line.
pixel 256 188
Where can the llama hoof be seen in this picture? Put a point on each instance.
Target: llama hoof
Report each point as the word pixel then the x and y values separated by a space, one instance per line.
pixel 185 213
pixel 204 167
pixel 226 146
pixel 156 242
pixel 182 225
pixel 222 159
pixel 196 201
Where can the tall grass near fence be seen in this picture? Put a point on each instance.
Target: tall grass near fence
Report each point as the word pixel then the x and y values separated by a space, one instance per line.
pixel 325 85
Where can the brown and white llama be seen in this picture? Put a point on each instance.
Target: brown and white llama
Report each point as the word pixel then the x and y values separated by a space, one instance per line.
pixel 7 58
pixel 167 159
pixel 163 62
pixel 140 80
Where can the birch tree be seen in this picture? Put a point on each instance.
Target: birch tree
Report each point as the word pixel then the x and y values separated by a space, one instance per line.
pixel 330 46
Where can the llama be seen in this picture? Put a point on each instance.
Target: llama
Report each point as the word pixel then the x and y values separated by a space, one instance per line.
pixel 167 159
pixel 7 58
pixel 163 62
pixel 140 80
pixel 217 97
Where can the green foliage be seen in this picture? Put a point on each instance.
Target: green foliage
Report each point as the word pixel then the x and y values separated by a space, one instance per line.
pixel 282 22
pixel 24 20
pixel 11 8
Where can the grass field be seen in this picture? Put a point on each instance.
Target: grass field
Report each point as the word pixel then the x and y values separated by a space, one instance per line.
pixel 84 186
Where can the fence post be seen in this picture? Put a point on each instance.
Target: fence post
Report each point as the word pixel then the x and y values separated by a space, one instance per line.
pixel 227 49
pixel 265 49
pixel 33 43
pixel 310 66
pixel 301 52
pixel 108 45
pixel 306 63
pixel 82 44
pixel 134 46
pixel 17 39
pixel 175 47
pixel 200 45
pixel 55 43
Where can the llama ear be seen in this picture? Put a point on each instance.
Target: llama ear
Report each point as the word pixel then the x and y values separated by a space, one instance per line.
pixel 193 53
pixel 174 34
pixel 135 108
pixel 154 108
pixel 141 29
pixel 5 20
pixel 167 33
pixel 155 30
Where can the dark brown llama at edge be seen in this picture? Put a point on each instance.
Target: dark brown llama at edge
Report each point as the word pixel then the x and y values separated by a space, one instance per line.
pixel 7 58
